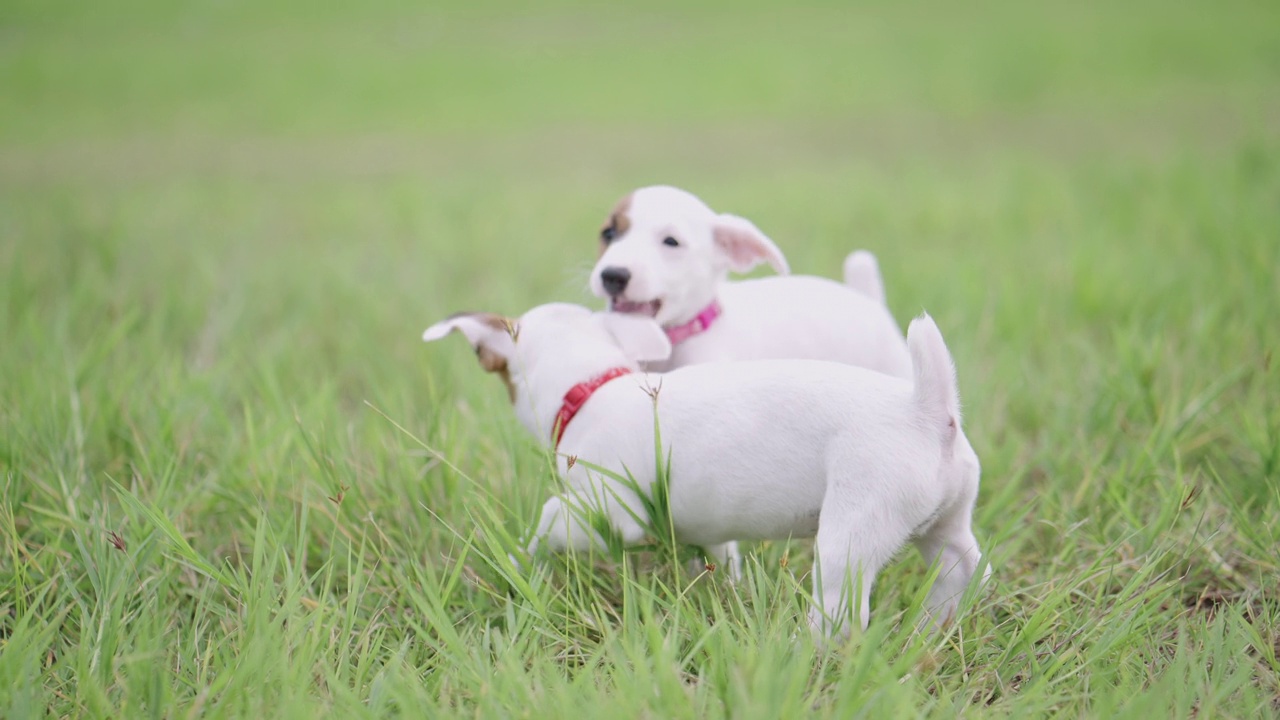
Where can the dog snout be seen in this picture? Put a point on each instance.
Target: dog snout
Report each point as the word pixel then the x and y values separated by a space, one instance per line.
pixel 614 280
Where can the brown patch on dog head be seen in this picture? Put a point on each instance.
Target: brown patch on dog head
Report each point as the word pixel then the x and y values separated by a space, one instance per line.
pixel 618 223
pixel 490 360
pixel 496 364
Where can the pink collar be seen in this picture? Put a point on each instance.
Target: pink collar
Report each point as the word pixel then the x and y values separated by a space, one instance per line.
pixel 699 324
pixel 578 396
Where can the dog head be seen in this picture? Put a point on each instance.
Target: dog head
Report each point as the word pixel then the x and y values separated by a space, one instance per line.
pixel 550 348
pixel 663 253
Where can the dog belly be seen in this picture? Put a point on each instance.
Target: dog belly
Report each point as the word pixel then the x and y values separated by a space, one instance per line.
pixel 767 494
pixel 779 523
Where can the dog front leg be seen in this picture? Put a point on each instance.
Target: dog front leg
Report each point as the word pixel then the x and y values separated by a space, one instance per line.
pixel 564 526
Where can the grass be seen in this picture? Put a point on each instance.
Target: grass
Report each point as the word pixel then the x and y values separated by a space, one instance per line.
pixel 234 483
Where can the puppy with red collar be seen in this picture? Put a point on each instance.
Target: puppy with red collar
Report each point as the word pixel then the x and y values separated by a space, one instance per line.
pixel 764 449
pixel 664 254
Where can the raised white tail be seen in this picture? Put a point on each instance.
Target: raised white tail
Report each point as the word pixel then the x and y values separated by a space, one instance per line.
pixel 862 273
pixel 935 374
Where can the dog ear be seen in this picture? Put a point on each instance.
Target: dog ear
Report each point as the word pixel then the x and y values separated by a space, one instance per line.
pixel 745 246
pixel 641 338
pixel 492 336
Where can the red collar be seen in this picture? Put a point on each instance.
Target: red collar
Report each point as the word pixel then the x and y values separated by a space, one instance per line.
pixel 578 396
pixel 697 325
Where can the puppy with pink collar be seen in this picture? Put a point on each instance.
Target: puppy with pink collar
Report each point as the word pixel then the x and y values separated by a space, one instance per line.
pixel 763 449
pixel 666 255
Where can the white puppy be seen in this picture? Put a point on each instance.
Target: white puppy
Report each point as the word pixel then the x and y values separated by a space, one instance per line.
pixel 766 449
pixel 666 255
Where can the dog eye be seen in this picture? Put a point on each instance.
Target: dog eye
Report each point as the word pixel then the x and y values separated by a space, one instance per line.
pixel 608 234
pixel 670 241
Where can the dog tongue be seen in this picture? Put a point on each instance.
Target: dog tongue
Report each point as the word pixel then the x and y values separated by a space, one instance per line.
pixel 649 308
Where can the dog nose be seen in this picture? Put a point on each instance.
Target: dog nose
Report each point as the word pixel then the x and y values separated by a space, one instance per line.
pixel 615 280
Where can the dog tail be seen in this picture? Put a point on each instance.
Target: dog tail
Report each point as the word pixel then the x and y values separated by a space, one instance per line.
pixel 935 374
pixel 862 273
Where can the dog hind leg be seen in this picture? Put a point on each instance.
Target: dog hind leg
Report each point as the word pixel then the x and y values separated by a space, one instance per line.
pixel 950 543
pixel 853 544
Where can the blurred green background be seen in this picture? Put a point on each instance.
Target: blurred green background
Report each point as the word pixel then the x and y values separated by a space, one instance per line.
pixel 413 158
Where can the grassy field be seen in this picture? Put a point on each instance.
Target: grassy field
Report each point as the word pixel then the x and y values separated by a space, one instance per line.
pixel 234 483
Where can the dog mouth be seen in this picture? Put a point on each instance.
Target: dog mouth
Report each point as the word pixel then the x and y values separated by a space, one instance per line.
pixel 648 308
